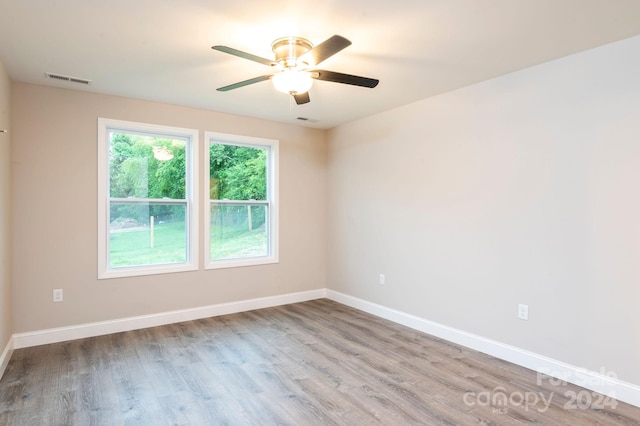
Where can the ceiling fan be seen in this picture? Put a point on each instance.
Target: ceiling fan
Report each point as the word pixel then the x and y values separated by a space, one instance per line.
pixel 295 61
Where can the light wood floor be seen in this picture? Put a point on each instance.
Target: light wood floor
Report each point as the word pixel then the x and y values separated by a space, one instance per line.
pixel 312 363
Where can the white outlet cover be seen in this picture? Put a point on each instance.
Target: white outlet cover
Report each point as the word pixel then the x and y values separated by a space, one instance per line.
pixel 523 311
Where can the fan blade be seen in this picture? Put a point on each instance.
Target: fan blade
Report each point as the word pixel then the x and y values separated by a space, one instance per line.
pixel 338 77
pixel 302 98
pixel 326 49
pixel 244 83
pixel 245 55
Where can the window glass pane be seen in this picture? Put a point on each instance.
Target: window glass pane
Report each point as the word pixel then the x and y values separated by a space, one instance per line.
pixel 147 234
pixel 147 211
pixel 237 172
pixel 238 231
pixel 144 166
pixel 242 216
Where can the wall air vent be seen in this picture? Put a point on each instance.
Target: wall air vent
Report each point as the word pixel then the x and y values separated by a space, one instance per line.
pixel 67 78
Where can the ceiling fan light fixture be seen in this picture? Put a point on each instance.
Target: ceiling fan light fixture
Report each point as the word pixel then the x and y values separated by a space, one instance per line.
pixel 292 82
pixel 294 63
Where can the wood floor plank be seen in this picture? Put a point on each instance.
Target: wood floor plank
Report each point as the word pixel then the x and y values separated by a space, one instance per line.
pixel 311 363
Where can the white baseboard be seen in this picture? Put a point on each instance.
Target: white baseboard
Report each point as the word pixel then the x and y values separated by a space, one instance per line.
pixel 595 381
pixel 598 382
pixel 6 356
pixel 61 334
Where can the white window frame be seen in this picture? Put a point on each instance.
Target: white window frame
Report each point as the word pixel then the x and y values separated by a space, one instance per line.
pixel 191 192
pixel 272 200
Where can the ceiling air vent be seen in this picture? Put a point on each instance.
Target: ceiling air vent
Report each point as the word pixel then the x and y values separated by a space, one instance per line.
pixel 67 78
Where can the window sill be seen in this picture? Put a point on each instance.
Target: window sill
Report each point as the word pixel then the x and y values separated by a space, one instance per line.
pixel 237 263
pixel 145 270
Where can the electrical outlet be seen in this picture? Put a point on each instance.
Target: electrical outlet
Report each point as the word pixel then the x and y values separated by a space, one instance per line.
pixel 57 295
pixel 381 279
pixel 523 312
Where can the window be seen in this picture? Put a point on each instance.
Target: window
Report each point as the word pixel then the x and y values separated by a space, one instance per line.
pixel 241 219
pixel 147 199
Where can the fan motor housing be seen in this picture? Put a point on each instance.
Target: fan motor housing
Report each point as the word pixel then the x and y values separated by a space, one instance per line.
pixel 288 50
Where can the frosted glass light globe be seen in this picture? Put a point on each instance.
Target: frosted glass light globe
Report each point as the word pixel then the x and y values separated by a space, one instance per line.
pixel 292 82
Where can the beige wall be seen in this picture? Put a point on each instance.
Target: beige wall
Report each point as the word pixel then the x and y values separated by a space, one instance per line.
pixel 5 212
pixel 522 189
pixel 55 213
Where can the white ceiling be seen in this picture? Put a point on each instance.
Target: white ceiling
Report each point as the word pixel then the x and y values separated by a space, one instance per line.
pixel 161 49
